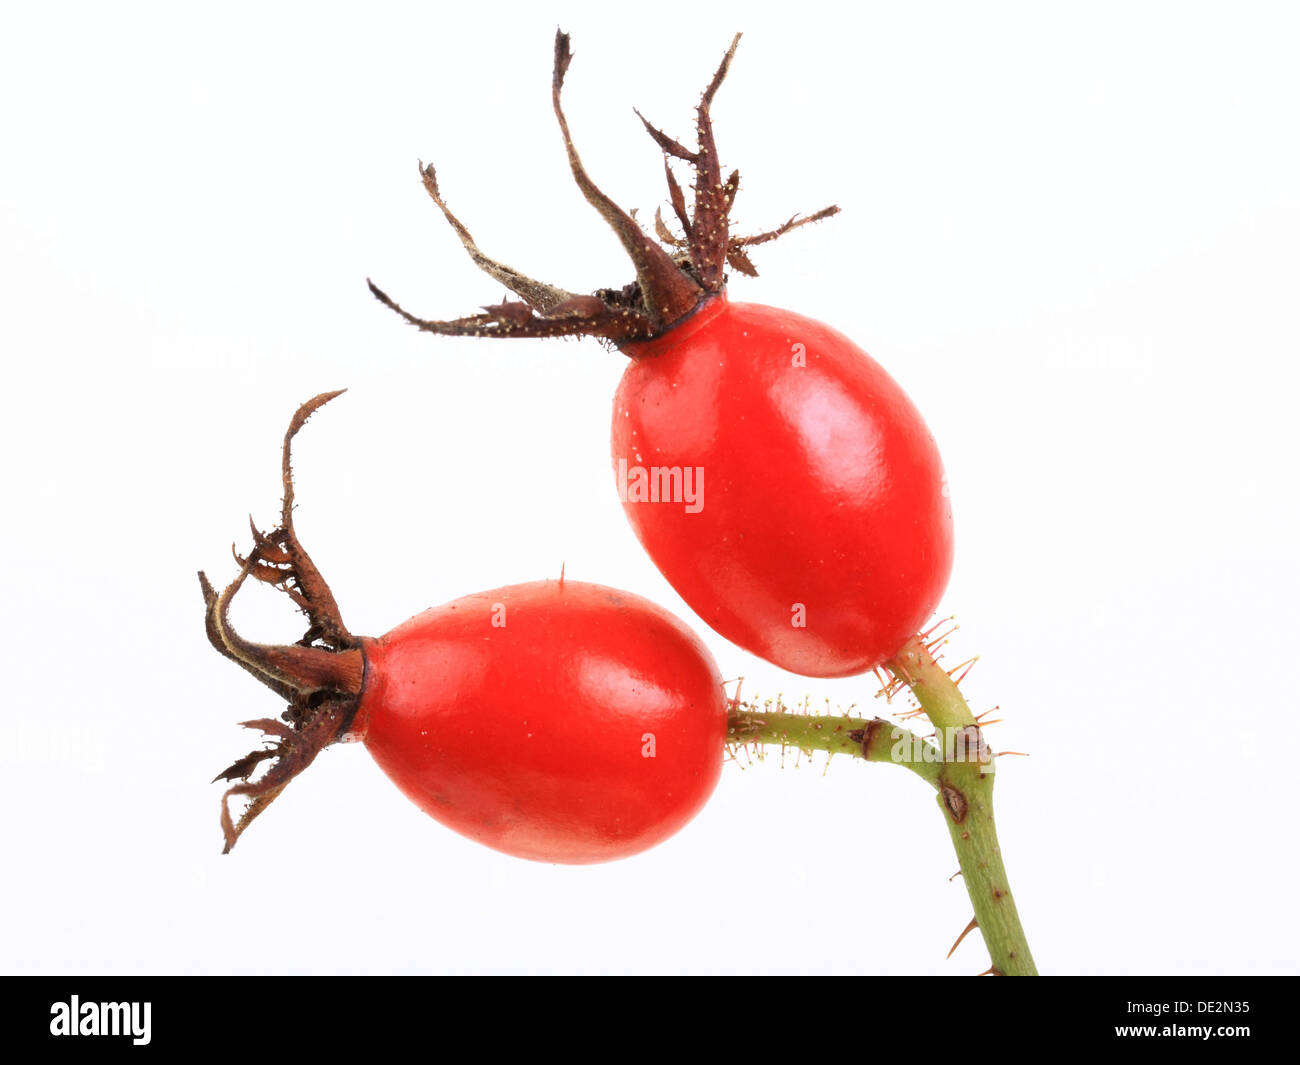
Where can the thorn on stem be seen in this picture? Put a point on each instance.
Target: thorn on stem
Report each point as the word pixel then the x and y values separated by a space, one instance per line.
pixel 965 932
pixel 969 664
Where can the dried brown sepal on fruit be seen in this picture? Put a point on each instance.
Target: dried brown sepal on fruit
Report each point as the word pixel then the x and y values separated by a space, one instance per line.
pixel 673 276
pixel 320 676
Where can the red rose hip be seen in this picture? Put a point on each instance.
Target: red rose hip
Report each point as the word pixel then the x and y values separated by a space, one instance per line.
pixel 819 535
pixel 558 721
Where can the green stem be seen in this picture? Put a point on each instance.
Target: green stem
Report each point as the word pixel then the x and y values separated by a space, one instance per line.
pixel 875 741
pixel 966 800
pixel 958 767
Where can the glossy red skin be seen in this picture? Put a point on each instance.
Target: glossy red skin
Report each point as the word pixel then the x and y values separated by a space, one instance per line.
pixel 530 737
pixel 822 487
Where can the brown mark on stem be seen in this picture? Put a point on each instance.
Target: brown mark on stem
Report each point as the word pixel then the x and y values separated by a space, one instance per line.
pixel 954 801
pixel 868 734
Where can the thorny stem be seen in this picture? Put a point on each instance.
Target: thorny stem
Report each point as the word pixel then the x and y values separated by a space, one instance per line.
pixel 876 740
pixel 966 801
pixel 958 766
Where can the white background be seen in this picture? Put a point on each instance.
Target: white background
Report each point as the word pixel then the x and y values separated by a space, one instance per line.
pixel 1069 231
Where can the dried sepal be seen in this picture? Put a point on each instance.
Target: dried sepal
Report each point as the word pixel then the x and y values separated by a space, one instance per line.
pixel 320 677
pixel 537 294
pixel 667 287
pixel 574 318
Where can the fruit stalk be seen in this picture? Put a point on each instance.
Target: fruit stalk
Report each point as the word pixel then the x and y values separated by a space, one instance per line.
pixel 958 766
pixel 778 726
pixel 966 800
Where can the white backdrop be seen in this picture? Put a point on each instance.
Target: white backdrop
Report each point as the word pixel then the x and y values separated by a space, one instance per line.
pixel 1069 231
